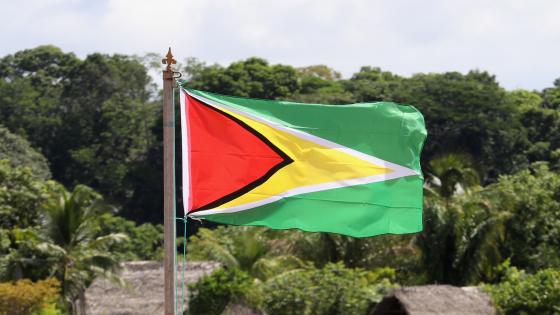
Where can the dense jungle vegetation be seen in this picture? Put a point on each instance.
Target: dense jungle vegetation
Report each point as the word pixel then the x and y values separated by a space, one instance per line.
pixel 81 188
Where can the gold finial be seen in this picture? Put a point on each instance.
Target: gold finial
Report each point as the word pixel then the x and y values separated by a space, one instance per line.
pixel 168 60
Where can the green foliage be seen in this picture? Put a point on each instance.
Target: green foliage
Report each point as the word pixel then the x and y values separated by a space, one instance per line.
pixel 372 84
pixel 24 297
pixel 253 77
pixel 551 96
pixel 451 173
pixel 72 226
pixel 532 197
pixel 520 293
pixel 23 256
pixel 106 130
pixel 218 245
pixel 373 252
pixel 20 196
pixel 334 289
pixel 50 309
pixel 543 132
pixel 97 121
pixel 461 240
pixel 318 71
pixel 211 294
pixel 467 113
pixel 91 118
pixel 266 253
pixel 321 84
pixel 19 152
pixel 144 242
pixel 523 100
pixel 31 86
pixel 257 251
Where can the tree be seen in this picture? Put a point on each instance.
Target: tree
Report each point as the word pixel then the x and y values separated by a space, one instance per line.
pixel 551 96
pixel 92 119
pixel 523 100
pixel 253 77
pixel 31 85
pixel 319 71
pixel 20 197
pixel 450 174
pixel 251 249
pixel 461 241
pixel 372 84
pixel 467 113
pixel 71 225
pixel 533 229
pixel 107 124
pixel 19 152
pixel 543 133
pixel 395 251
pixel 321 84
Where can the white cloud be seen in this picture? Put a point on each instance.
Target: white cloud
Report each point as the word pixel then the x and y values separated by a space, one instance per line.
pixel 517 40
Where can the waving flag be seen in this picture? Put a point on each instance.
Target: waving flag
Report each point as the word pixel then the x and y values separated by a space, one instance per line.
pixel 348 169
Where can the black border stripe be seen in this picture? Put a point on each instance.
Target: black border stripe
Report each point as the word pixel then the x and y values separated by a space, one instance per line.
pixel 286 160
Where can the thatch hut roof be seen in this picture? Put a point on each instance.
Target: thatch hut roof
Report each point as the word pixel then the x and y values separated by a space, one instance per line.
pixel 143 293
pixel 436 300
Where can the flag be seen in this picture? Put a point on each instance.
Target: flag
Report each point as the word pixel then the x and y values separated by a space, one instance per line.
pixel 347 169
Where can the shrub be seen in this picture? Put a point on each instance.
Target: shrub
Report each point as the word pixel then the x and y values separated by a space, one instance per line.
pixel 211 294
pixel 144 243
pixel 334 289
pixel 520 293
pixel 25 297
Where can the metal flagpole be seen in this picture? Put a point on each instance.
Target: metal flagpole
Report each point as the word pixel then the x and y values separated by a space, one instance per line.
pixel 168 185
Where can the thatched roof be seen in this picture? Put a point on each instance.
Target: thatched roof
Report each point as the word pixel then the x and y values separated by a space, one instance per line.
pixel 436 300
pixel 144 291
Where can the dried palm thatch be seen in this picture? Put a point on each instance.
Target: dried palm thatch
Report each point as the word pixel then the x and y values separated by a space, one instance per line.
pixel 143 292
pixel 436 300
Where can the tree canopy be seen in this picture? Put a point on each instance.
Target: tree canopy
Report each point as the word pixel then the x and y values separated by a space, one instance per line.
pixel 19 152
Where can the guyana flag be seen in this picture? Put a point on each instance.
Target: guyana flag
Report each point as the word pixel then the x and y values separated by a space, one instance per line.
pixel 348 169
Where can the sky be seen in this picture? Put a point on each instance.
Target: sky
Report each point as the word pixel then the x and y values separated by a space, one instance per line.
pixel 518 41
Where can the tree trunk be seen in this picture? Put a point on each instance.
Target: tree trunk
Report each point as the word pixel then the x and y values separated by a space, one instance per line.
pixel 82 303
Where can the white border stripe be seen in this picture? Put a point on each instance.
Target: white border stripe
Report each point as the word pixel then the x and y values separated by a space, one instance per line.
pixel 299 191
pixel 186 181
pixel 397 170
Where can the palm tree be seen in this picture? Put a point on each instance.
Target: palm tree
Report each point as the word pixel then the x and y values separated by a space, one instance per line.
pixel 71 224
pixel 251 249
pixel 461 240
pixel 451 174
pixel 462 232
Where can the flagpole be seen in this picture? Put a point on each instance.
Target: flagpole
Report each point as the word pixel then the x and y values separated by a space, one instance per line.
pixel 168 186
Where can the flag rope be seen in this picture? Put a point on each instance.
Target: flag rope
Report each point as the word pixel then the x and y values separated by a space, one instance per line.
pixel 184 267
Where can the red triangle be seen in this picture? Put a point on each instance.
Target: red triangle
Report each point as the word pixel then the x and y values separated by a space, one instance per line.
pixel 227 157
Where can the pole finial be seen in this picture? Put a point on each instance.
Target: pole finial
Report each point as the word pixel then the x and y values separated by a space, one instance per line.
pixel 168 60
